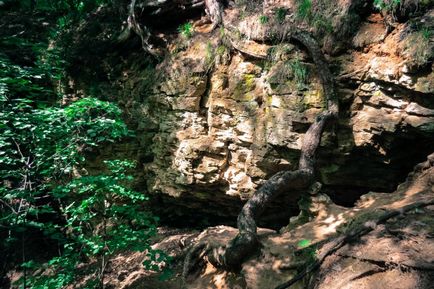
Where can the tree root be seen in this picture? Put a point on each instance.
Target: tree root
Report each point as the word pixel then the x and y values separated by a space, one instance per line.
pixel 134 26
pixel 214 9
pixel 246 242
pixel 193 259
pixel 336 243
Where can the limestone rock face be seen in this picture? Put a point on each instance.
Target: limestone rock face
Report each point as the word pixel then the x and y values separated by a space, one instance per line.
pixel 223 111
pixel 223 131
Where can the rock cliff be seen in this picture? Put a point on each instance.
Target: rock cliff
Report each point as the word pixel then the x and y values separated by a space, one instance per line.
pixel 223 110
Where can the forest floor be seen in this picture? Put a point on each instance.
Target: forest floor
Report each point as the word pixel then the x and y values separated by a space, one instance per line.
pixel 395 253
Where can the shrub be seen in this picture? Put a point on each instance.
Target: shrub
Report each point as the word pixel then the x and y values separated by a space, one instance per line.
pixel 42 154
pixel 103 218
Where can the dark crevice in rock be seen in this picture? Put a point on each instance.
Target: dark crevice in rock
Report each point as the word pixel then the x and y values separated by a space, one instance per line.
pixel 203 109
pixel 368 171
pixel 300 127
pixel 190 212
pixel 407 148
pixel 424 99
pixel 346 196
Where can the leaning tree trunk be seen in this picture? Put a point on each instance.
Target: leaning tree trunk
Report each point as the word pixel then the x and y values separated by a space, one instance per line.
pixel 246 242
pixel 214 9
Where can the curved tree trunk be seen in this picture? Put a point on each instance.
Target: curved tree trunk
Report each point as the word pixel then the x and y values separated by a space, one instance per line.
pixel 214 9
pixel 246 242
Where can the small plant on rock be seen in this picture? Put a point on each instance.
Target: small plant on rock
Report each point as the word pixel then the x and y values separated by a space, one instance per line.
pixel 280 14
pixel 263 19
pixel 304 9
pixel 186 30
pixel 300 73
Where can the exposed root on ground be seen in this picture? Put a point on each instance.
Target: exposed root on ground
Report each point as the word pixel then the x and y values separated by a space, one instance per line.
pixel 336 243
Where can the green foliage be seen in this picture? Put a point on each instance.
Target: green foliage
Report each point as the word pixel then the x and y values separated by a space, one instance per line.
pixel 263 19
pixel 44 186
pixel 39 147
pixel 426 33
pixel 319 18
pixel 103 218
pixel 300 73
pixel 304 9
pixel 221 50
pixel 388 5
pixel 322 24
pixel 280 14
pixel 307 253
pixel 209 56
pixel 186 30
pixel 303 243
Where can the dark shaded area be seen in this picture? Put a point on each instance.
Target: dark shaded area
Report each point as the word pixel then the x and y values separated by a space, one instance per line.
pixel 31 245
pixel 190 212
pixel 169 14
pixel 365 170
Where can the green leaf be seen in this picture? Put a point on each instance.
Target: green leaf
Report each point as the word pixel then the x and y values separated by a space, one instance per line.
pixel 303 243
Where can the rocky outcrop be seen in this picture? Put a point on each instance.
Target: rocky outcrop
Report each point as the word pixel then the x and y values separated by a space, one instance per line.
pixel 224 111
pixel 226 130
pixel 397 252
pixel 227 108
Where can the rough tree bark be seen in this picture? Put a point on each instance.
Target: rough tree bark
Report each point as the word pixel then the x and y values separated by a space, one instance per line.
pixel 214 9
pixel 134 26
pixel 246 242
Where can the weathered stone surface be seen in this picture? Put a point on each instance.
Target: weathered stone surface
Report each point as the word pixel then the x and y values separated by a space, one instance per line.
pixel 255 114
pixel 369 33
pixel 212 128
pixel 216 122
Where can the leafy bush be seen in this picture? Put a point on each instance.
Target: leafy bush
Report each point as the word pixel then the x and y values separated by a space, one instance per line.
pixel 44 185
pixel 103 218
